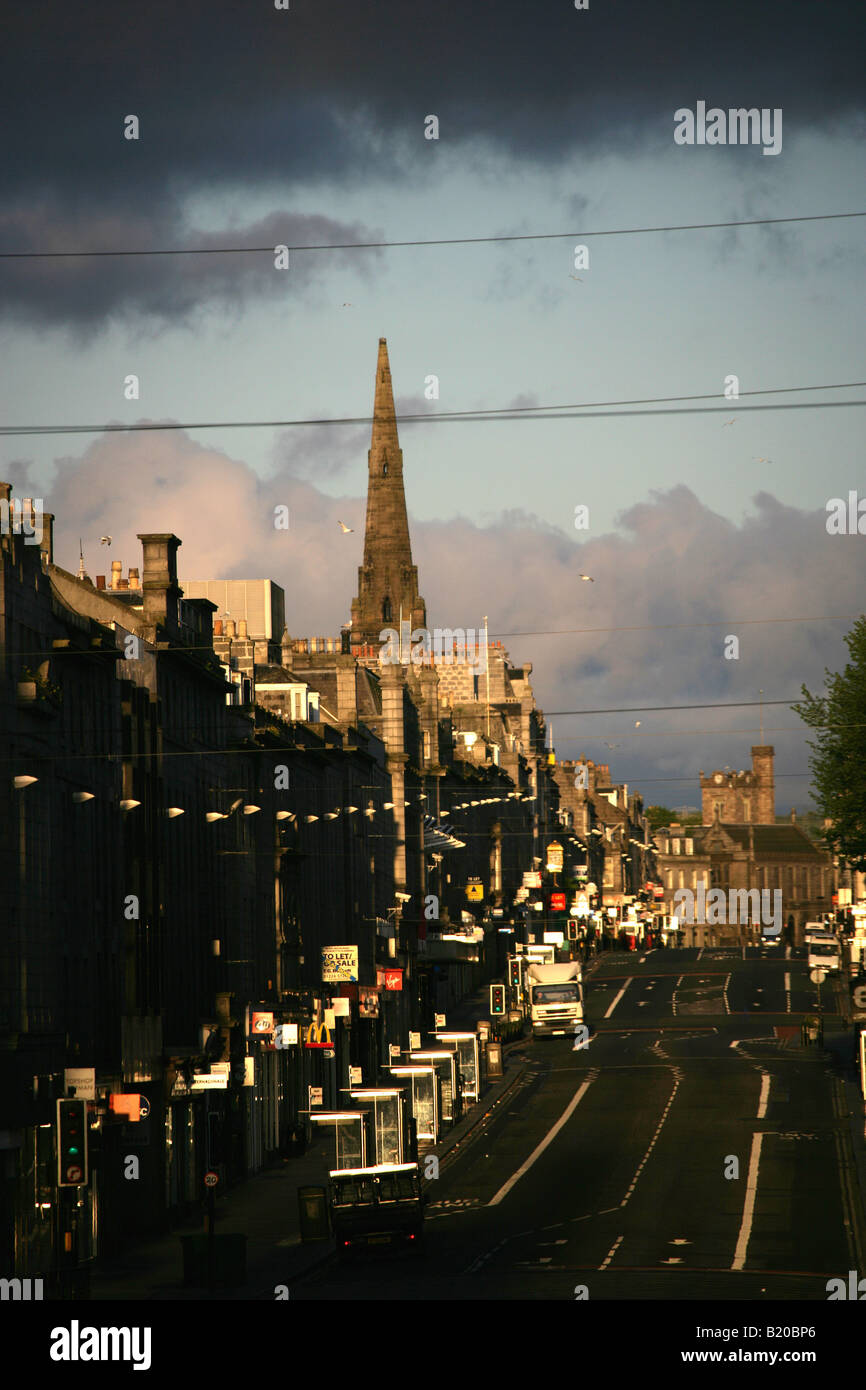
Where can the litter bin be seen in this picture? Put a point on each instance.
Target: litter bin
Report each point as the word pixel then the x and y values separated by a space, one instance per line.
pixel 313 1213
pixel 229 1260
pixel 494 1060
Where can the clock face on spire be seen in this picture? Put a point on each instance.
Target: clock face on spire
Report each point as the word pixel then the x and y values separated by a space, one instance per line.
pixel 718 779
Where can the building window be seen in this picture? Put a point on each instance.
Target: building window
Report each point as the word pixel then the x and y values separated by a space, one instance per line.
pixel 690 846
pixel 384 470
pixel 747 808
pixel 387 614
pixel 718 807
pixel 676 846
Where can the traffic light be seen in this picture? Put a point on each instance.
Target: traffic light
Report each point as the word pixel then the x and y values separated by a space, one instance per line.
pixel 572 929
pixel 514 972
pixel 71 1143
pixel 497 1000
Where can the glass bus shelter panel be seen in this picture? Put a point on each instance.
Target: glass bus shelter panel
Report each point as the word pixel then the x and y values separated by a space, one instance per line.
pixel 424 1083
pixel 445 1063
pixel 349 1135
pixel 389 1122
pixel 466 1047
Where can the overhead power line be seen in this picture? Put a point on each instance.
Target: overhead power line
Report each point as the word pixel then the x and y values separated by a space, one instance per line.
pixel 427 241
pixel 499 413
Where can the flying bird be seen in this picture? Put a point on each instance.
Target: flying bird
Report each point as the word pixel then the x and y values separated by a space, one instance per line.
pixel 105 540
pixel 347 306
pixel 728 422
pixel 637 723
pixel 760 460
pixel 344 528
pixel 577 277
pixel 588 577
pixel 612 745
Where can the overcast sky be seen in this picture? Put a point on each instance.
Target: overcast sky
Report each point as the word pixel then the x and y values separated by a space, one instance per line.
pixel 306 127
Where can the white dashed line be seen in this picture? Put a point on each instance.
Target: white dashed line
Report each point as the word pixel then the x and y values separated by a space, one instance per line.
pixel 610 1254
pixel 765 1093
pixel 677 1079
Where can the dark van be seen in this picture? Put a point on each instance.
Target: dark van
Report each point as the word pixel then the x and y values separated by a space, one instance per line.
pixel 377 1206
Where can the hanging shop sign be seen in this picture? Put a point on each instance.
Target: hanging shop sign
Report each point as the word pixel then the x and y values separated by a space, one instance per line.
pixel 318 1036
pixel 262 1022
pixel 474 890
pixel 557 902
pixel 555 857
pixel 339 964
pixel 532 878
pixel 389 979
pixel 368 1003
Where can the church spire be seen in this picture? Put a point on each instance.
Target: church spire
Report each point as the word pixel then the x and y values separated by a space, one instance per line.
pixel 387 580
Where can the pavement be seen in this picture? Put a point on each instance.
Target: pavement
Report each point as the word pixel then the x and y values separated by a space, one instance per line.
pixel 266 1208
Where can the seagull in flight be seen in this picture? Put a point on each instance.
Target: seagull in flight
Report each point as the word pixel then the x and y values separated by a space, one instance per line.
pixel 588 577
pixel 613 745
pixel 577 277
pixel 105 540
pixel 347 306
pixel 346 530
pixel 637 723
pixel 728 422
pixel 760 460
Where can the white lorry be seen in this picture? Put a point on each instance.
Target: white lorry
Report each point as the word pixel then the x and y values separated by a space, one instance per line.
pixel 555 998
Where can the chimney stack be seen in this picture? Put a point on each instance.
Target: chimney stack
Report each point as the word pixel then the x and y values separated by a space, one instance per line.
pixel 160 588
pixel 116 567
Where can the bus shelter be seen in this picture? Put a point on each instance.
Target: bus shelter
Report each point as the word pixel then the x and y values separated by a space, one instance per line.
pixel 423 1081
pixel 350 1135
pixel 389 1121
pixel 465 1045
pixel 445 1062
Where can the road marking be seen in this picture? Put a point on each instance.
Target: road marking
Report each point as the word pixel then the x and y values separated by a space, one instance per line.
pixel 749 1205
pixel 725 993
pixel 765 1092
pixel 539 1149
pixel 787 993
pixel 619 996
pixel 611 1252
pixel 677 1079
pixel 700 952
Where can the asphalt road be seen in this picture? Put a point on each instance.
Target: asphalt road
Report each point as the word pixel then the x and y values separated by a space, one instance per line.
pixel 695 1151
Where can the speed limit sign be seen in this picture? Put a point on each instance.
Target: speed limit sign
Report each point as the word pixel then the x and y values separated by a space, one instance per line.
pixel 211 1179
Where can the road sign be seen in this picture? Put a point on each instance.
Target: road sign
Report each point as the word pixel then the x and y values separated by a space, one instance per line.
pixel 211 1179
pixel 817 976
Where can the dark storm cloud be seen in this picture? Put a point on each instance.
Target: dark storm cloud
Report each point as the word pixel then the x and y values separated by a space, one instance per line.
pixel 229 92
pixel 86 292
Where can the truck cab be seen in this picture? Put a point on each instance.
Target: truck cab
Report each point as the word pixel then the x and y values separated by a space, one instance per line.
pixel 555 998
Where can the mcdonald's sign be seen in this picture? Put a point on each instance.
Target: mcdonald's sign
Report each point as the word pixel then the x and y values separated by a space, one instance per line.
pixel 318 1036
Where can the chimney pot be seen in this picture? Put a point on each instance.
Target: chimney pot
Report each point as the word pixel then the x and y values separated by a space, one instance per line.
pixel 230 628
pixel 116 567
pixel 218 628
pixel 242 627
pixel 100 581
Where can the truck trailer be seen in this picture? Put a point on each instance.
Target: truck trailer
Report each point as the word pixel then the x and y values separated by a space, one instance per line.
pixel 554 998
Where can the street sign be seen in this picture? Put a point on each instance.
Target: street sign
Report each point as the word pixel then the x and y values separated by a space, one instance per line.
pixel 356 1076
pixel 211 1179
pixel 315 1095
pixel 81 1081
pixel 817 976
pixel 204 1081
pixel 439 1020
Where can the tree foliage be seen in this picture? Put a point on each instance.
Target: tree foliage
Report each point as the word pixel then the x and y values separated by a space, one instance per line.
pixel 838 760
